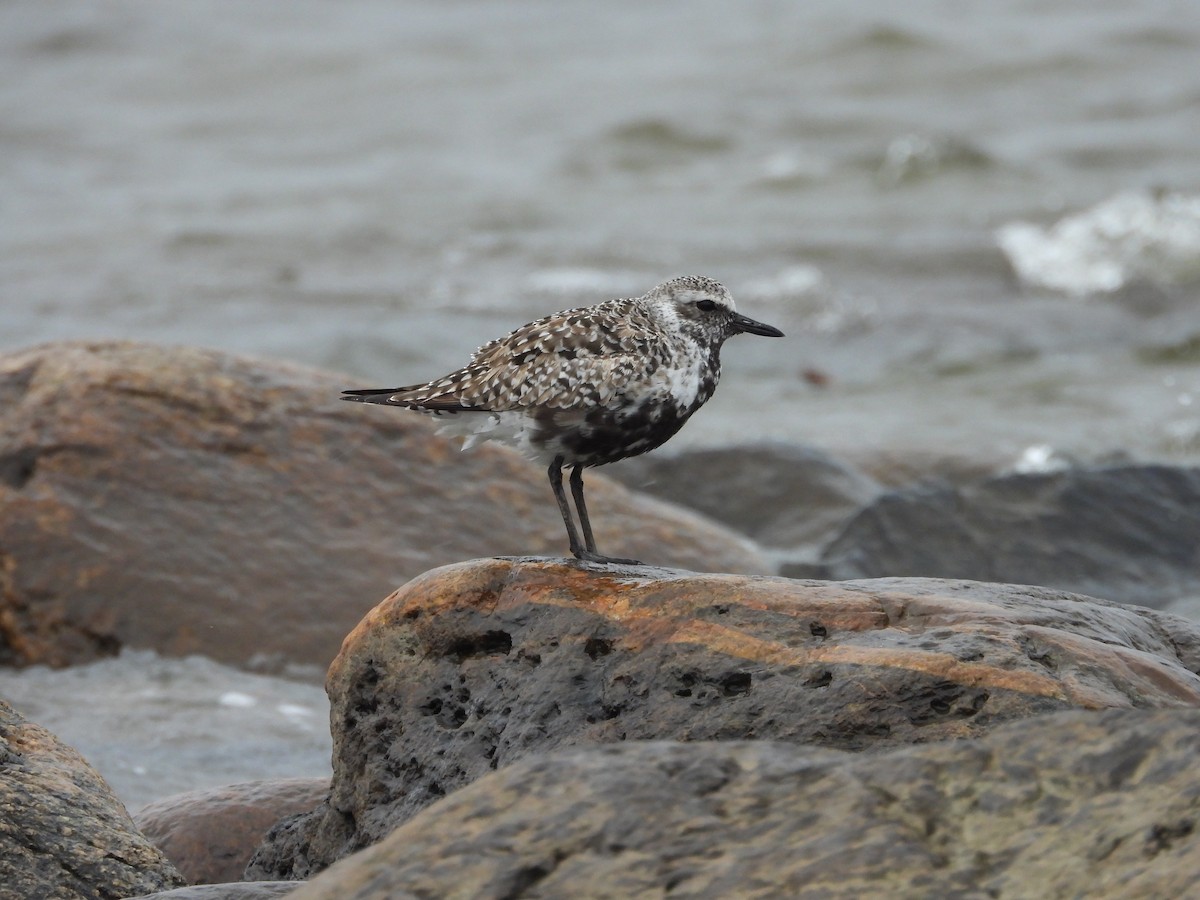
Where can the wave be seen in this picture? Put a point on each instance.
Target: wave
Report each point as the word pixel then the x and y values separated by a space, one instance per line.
pixel 1133 237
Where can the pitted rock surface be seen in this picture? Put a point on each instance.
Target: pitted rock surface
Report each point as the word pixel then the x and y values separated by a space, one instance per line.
pixel 473 667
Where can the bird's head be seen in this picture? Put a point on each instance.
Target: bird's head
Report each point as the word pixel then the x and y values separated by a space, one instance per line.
pixel 704 310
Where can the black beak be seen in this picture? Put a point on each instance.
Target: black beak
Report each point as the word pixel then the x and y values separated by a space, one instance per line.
pixel 749 326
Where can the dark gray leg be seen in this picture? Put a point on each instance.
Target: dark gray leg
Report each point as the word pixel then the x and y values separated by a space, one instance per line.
pixel 589 552
pixel 577 493
pixel 555 473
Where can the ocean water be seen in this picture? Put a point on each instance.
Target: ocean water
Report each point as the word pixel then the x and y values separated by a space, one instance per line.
pixel 154 726
pixel 978 223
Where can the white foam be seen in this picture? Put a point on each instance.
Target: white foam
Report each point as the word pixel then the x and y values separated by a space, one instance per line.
pixel 1040 458
pixel 237 700
pixel 294 711
pixel 1131 237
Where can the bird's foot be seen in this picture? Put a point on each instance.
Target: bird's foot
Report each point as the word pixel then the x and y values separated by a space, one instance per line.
pixel 589 556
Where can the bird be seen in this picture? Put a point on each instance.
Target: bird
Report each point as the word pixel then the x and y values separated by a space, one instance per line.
pixel 588 386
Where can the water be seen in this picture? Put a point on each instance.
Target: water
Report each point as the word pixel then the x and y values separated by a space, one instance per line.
pixel 976 222
pixel 378 187
pixel 154 727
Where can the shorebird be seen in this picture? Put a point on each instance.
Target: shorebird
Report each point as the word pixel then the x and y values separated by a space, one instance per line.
pixel 588 386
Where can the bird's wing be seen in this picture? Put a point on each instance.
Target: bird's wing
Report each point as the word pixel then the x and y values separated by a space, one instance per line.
pixel 578 358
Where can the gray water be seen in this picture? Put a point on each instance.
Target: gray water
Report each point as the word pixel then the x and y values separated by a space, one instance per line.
pixel 978 223
pixel 154 727
pixel 378 187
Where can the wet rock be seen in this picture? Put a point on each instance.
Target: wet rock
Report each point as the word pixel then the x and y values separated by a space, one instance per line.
pixel 246 890
pixel 1098 805
pixel 1125 533
pixel 210 834
pixel 189 501
pixel 779 494
pixel 63 833
pixel 472 667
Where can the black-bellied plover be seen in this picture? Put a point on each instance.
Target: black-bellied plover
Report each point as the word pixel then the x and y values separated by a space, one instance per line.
pixel 588 386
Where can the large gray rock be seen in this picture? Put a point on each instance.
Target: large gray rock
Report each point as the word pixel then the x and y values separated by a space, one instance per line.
pixel 1125 533
pixel 475 666
pixel 782 495
pixel 63 833
pixel 189 501
pixel 1097 805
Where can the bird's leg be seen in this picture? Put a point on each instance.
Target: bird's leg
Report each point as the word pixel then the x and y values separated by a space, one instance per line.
pixel 589 553
pixel 577 493
pixel 555 473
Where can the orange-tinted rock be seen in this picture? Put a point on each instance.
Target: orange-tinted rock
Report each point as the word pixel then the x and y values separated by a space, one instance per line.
pixel 194 502
pixel 210 834
pixel 475 666
pixel 63 833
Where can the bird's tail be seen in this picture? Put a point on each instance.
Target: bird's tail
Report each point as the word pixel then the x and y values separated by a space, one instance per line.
pixel 374 395
pixel 421 397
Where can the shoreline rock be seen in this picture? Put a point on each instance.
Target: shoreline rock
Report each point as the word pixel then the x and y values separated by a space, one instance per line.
pixel 1128 533
pixel 475 666
pixel 180 499
pixel 209 835
pixel 1101 805
pixel 65 834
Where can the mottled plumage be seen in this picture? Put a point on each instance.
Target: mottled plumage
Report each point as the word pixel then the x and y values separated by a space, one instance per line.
pixel 588 386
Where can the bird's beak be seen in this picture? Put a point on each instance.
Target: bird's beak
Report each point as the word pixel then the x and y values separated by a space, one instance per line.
pixel 749 326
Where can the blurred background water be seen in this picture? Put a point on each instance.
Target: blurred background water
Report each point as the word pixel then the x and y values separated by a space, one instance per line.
pixel 978 223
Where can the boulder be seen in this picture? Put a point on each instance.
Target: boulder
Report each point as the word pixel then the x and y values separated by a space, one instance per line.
pixel 189 501
pixel 210 834
pixel 781 495
pixel 473 667
pixel 1125 533
pixel 63 833
pixel 1097 805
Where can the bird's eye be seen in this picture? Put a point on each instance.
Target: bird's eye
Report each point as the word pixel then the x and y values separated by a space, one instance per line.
pixel 706 305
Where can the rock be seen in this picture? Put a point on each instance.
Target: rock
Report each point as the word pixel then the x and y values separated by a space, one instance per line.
pixel 1097 805
pixel 1125 533
pixel 63 833
pixel 210 834
pixel 472 667
pixel 781 495
pixel 189 501
pixel 244 890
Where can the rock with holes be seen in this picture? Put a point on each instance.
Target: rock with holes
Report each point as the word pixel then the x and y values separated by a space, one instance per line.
pixel 1097 805
pixel 475 666
pixel 63 833
pixel 189 501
